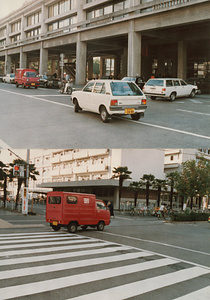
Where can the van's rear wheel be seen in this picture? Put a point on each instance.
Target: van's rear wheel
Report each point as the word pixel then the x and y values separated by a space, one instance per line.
pixel 100 226
pixel 72 227
pixel 173 96
pixel 17 85
pixel 56 227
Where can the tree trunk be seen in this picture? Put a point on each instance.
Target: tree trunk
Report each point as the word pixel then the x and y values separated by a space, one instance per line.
pixel 120 191
pixel 200 200
pixel 191 202
pixel 147 195
pixel 171 196
pixel 5 190
pixel 135 198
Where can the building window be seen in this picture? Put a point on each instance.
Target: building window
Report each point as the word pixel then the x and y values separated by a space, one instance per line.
pixel 61 7
pixel 3 32
pixel 34 19
pixel 16 26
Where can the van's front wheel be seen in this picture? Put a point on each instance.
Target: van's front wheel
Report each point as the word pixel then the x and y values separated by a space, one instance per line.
pixel 72 227
pixel 100 226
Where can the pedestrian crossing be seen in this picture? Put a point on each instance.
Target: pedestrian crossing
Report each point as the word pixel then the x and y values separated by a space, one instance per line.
pixel 60 265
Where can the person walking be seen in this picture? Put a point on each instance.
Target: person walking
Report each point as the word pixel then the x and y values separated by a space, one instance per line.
pixel 111 208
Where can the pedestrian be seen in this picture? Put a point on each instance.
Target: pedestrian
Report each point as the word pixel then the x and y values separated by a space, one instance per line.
pixel 111 208
pixel 162 210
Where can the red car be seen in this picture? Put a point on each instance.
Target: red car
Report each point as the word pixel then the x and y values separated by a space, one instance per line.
pixel 26 78
pixel 64 209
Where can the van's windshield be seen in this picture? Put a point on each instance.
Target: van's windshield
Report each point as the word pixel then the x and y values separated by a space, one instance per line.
pixel 30 74
pixel 125 89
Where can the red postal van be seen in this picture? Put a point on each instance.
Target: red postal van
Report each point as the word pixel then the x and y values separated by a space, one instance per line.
pixel 64 209
pixel 26 78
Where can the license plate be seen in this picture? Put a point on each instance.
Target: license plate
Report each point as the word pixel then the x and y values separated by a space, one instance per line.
pixel 129 111
pixel 55 223
pixel 33 84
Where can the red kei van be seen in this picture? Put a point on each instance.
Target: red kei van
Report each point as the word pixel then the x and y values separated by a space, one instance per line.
pixel 64 209
pixel 26 77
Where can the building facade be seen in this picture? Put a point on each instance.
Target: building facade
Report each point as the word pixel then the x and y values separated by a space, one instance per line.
pixel 145 37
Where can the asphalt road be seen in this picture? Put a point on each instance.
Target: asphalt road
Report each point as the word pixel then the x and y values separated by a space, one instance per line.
pixel 134 257
pixel 44 118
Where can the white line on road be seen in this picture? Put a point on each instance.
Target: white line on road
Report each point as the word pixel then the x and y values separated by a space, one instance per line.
pixel 194 112
pixel 144 286
pixel 154 242
pixel 202 294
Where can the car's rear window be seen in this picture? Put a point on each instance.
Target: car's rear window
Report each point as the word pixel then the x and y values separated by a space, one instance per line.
pixel 157 82
pixel 125 89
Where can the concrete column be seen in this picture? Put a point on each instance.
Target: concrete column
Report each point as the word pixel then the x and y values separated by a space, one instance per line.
pixel 43 60
pixel 23 26
pixel 124 59
pixel 81 14
pixel 23 58
pixel 102 67
pixel 44 16
pixel 7 65
pixel 8 32
pixel 90 68
pixel 134 51
pixel 117 74
pixel 182 60
pixel 81 61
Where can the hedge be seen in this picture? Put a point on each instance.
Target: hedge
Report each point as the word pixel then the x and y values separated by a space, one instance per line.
pixel 192 216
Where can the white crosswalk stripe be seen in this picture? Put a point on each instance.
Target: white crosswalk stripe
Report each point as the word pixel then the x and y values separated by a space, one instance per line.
pixel 43 267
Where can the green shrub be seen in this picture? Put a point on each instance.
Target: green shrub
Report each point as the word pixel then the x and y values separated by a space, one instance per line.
pixel 192 216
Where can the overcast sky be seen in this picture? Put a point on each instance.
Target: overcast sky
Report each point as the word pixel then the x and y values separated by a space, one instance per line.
pixel 7 6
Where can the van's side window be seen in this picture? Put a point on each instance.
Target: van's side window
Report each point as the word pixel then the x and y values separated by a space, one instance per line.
pixel 54 200
pixel 71 200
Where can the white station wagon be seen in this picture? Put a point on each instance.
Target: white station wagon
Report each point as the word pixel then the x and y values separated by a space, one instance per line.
pixel 169 88
pixel 110 97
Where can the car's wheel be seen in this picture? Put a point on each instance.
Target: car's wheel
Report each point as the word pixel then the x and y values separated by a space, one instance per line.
pixel 56 227
pixel 136 116
pixel 100 226
pixel 153 97
pixel 105 117
pixel 72 227
pixel 17 85
pixel 76 106
pixel 173 96
pixel 192 94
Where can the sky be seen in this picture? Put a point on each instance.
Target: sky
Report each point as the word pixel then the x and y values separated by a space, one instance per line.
pixel 7 6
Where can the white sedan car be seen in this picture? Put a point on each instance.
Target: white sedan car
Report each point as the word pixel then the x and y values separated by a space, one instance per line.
pixel 169 88
pixel 110 97
pixel 9 78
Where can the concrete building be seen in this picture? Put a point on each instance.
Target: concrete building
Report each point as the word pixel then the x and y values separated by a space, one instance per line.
pixel 145 37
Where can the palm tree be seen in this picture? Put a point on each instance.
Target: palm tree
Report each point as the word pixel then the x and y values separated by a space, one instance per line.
pixel 122 173
pixel 159 184
pixel 135 186
pixel 32 175
pixel 171 178
pixel 3 176
pixel 148 180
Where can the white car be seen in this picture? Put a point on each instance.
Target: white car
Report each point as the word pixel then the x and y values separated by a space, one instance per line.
pixel 110 97
pixel 9 78
pixel 169 88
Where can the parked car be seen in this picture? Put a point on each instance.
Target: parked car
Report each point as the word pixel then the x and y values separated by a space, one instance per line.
pixel 203 84
pixel 110 97
pixel 137 79
pixel 26 78
pixel 70 210
pixel 53 82
pixel 169 88
pixel 43 80
pixel 9 78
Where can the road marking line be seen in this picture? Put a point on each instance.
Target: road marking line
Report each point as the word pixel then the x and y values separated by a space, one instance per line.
pixel 67 265
pixel 32 233
pixel 144 286
pixel 154 242
pixel 14 238
pixel 63 282
pixel 16 246
pixel 202 294
pixel 65 255
pixel 52 249
pixel 60 238
pixel 193 112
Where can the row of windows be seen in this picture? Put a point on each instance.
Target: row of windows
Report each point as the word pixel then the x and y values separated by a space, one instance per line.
pixel 62 23
pixel 3 32
pixel 15 38
pixel 2 43
pixel 61 7
pixel 33 32
pixel 16 26
pixel 34 19
pixel 108 9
